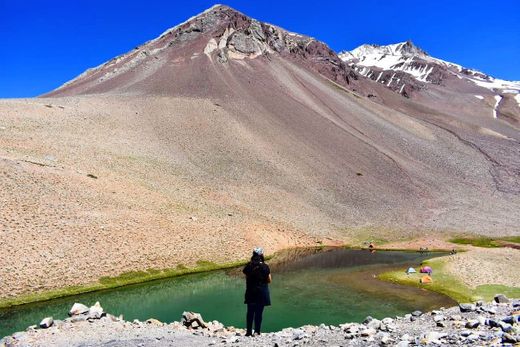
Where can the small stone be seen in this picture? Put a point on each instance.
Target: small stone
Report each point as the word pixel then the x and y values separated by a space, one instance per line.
pixel 508 338
pixel 407 316
pixel 402 344
pixel 298 334
pixel 385 340
pixel 433 337
pixel 438 318
pixel 441 324
pixel 465 333
pixel 501 299
pixel 368 319
pixel 374 324
pixel 467 307
pixel 506 327
pixel 368 332
pixel 472 324
pixel 46 323
pixel 78 309
pixel 387 320
pixel 153 321
pixel 417 313
pixel 456 317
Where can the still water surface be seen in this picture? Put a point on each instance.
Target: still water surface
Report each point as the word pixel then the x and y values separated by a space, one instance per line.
pixel 309 287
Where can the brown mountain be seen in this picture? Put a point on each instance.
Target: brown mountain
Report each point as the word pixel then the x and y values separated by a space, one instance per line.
pixel 224 133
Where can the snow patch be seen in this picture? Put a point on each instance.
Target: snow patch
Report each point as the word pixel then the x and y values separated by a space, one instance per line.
pixel 498 98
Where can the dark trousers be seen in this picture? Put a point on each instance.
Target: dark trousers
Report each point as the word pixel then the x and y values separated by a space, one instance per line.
pixel 254 312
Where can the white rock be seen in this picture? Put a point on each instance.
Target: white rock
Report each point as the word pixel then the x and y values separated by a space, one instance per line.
pixel 96 311
pixel 46 323
pixel 77 309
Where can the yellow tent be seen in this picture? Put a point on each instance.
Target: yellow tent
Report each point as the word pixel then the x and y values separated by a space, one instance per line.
pixel 426 279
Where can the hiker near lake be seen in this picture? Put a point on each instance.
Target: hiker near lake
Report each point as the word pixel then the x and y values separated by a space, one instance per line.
pixel 258 277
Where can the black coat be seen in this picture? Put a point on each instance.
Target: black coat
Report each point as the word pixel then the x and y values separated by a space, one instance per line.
pixel 257 289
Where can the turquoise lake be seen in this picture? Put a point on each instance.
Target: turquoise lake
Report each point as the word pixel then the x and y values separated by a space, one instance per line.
pixel 309 287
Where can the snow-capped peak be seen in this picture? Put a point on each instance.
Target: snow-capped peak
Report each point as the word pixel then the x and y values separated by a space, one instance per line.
pixel 402 49
pixel 405 57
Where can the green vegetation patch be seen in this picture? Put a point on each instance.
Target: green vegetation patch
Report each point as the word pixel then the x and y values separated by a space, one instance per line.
pixel 447 284
pixel 486 242
pixel 127 278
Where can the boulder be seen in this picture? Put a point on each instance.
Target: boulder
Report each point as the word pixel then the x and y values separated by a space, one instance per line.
pixel 467 307
pixel 46 323
pixel 501 299
pixel 96 311
pixel 78 309
pixel 192 320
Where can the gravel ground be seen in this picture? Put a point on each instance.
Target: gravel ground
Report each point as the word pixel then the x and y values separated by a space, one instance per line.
pixel 477 324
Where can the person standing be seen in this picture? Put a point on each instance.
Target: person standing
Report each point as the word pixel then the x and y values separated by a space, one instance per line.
pixel 258 277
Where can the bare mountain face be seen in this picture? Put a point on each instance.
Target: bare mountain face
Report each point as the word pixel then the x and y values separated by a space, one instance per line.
pixel 224 133
pixel 219 34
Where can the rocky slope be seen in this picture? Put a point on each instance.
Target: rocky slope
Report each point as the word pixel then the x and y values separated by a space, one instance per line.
pixel 225 133
pixel 489 324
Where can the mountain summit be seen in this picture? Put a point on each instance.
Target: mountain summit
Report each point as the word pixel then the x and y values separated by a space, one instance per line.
pixel 217 35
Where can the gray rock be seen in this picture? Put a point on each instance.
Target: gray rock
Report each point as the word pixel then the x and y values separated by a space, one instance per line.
pixel 374 324
pixel 472 324
pixel 298 334
pixel 387 320
pixel 402 344
pixel 456 317
pixel 433 337
pixel 78 309
pixel 386 340
pixel 467 307
pixel 501 299
pixel 506 327
pixel 417 313
pixel 193 320
pixel 438 318
pixel 368 319
pixel 508 338
pixel 368 332
pixel 46 323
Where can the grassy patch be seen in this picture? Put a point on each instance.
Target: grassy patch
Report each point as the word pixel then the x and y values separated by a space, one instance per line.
pixel 449 285
pixel 127 278
pixel 486 242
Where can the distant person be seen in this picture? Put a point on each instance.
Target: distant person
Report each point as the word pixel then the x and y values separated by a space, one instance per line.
pixel 258 276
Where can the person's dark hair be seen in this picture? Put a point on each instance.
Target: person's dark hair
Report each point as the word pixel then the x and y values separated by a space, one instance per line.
pixel 257 258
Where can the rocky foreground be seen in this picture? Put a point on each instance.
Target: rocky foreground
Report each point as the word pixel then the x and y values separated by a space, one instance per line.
pixel 478 324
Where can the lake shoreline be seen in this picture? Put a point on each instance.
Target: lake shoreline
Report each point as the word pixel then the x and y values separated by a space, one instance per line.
pixel 494 324
pixel 138 277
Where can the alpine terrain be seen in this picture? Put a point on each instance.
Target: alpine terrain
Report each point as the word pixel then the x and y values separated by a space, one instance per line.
pixel 224 133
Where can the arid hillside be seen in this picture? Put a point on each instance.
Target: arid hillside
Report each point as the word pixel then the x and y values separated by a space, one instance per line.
pixel 205 146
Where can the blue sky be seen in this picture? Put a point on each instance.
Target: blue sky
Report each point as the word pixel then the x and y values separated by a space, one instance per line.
pixel 44 43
